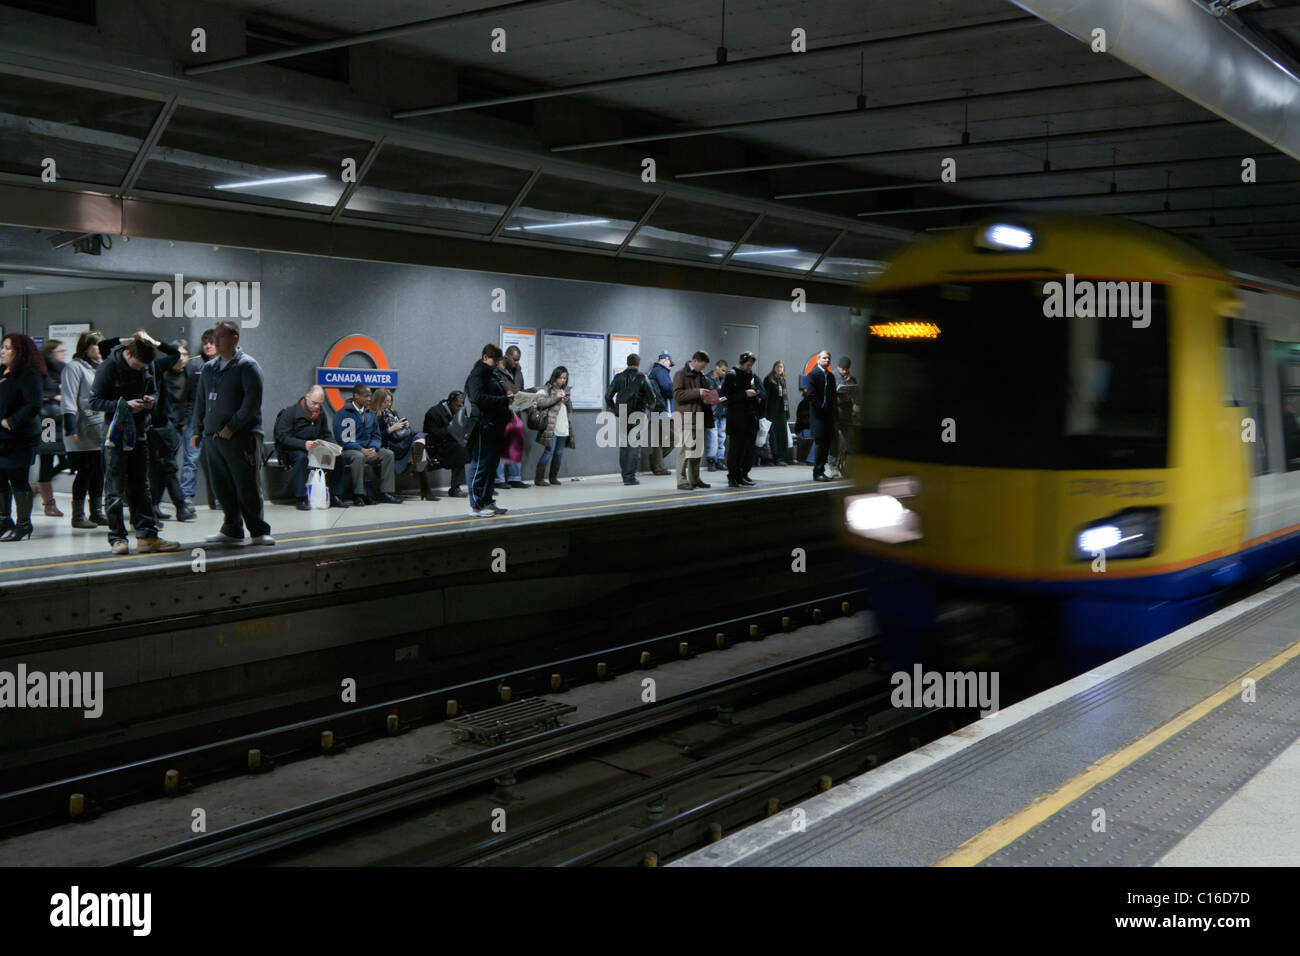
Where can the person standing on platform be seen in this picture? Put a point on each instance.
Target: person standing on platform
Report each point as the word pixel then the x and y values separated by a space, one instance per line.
pixel 556 433
pixel 83 432
pixel 741 390
pixel 778 413
pixel 442 448
pixel 56 357
pixel 630 393
pixel 22 370
pixel 716 449
pixel 846 415
pixel 690 389
pixel 821 411
pixel 164 438
pixel 492 411
pixel 663 382
pixel 228 422
pixel 298 429
pixel 190 462
pixel 510 473
pixel 356 430
pixel 126 391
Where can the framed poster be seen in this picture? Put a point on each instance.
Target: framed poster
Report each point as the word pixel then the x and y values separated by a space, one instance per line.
pixel 583 354
pixel 620 347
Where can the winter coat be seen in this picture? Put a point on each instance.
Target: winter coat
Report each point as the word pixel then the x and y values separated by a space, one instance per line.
pixel 662 378
pixel 488 393
pixel 400 447
pixel 364 432
pixel 777 407
pixel 742 411
pixel 549 403
pixel 821 394
pixel 293 429
pixel 78 417
pixel 115 379
pixel 20 405
pixel 687 384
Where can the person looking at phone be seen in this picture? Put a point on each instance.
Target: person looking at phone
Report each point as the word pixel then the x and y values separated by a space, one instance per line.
pixel 126 378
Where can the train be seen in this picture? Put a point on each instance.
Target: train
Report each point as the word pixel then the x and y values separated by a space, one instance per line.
pixel 1075 427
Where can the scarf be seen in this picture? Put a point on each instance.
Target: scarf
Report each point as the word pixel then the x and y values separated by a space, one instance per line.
pixel 311 416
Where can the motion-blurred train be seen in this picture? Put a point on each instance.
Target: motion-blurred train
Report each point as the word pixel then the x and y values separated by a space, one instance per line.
pixel 1083 426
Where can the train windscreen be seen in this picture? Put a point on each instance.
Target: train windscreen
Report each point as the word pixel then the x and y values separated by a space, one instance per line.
pixel 1019 374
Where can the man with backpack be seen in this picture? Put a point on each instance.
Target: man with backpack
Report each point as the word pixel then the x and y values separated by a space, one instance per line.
pixel 487 408
pixel 631 389
pixel 662 381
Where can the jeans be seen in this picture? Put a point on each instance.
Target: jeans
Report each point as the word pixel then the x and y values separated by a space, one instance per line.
pixel 189 466
pixel 126 481
pixel 715 442
pixel 556 448
pixel 629 459
pixel 508 471
pixel 484 455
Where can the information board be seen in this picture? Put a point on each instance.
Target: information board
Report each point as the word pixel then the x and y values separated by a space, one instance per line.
pixel 351 377
pixel 68 334
pixel 620 347
pixel 526 341
pixel 583 354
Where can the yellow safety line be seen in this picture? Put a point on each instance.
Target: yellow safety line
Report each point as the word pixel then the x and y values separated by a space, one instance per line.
pixel 983 845
pixel 117 559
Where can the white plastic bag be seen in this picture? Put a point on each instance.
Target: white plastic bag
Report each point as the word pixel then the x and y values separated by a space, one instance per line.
pixel 764 425
pixel 318 495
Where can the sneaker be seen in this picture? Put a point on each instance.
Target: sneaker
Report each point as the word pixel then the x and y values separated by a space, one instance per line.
pixel 120 547
pixel 498 511
pixel 265 539
pixel 154 545
pixel 483 513
pixel 222 538
pixel 302 505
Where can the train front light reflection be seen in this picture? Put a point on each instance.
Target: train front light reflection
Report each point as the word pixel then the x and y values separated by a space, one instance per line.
pixel 881 518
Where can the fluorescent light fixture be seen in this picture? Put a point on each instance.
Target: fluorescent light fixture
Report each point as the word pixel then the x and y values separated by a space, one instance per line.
pixel 561 225
pixel 760 252
pixel 1003 236
pixel 272 182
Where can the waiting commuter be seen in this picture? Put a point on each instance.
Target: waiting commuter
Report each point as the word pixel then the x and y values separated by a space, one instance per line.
pixel 191 462
pixel 164 439
pixel 743 406
pixel 690 388
pixel 663 382
pixel 83 432
pixel 441 447
pixel 491 413
pixel 511 374
pixel 228 423
pixel 298 429
pixel 630 393
pixel 406 444
pixel 22 370
pixel 778 413
pixel 556 433
pixel 846 414
pixel 126 391
pixel 356 430
pixel 55 356
pixel 716 450
pixel 821 409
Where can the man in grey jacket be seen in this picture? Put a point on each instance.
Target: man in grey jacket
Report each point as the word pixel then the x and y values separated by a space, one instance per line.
pixel 228 417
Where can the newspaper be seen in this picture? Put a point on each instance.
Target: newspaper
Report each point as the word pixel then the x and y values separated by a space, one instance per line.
pixel 324 455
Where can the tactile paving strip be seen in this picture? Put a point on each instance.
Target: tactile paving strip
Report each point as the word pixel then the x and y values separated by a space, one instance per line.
pixel 906 793
pixel 1152 804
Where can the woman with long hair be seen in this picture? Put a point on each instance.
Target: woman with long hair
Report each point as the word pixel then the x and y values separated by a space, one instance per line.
pixel 399 437
pixel 21 372
pixel 55 356
pixel 778 413
pixel 555 412
pixel 83 431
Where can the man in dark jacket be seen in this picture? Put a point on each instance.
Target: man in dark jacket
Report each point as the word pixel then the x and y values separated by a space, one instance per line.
pixel 164 437
pixel 630 393
pixel 484 440
pixel 741 390
pixel 661 378
pixel 228 422
pixel 443 450
pixel 690 388
pixel 191 463
pixel 821 409
pixel 127 374
pixel 356 430
pixel 298 429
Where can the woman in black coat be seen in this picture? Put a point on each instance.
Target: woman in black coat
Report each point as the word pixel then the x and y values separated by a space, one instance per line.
pixel 778 413
pixel 21 372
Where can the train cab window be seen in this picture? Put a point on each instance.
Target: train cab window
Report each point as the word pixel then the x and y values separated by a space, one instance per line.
pixel 1288 362
pixel 1243 368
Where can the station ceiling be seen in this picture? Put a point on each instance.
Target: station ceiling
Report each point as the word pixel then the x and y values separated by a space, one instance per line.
pixel 766 160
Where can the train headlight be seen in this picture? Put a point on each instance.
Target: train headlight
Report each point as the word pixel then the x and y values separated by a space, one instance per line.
pixel 881 518
pixel 1133 533
pixel 1004 237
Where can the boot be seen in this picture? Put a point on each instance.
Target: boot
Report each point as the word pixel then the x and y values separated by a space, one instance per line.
pixel 97 512
pixel 23 525
pixel 539 479
pixel 555 470
pixel 426 493
pixel 79 515
pixel 47 496
pixel 6 522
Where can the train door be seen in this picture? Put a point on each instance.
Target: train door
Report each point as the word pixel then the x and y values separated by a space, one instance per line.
pixel 1253 391
pixel 741 338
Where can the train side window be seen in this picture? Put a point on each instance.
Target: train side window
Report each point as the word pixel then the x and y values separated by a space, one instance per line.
pixel 1288 367
pixel 1244 365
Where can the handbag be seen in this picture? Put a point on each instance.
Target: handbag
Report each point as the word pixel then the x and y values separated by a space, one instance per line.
pixel 512 445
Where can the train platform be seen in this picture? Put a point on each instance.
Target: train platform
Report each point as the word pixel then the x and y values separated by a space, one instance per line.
pixel 1181 753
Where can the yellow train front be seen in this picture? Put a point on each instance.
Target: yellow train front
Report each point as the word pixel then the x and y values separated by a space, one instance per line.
pixel 1083 422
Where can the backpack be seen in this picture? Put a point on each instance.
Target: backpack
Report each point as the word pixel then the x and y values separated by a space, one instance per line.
pixel 632 391
pixel 281 453
pixel 660 403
